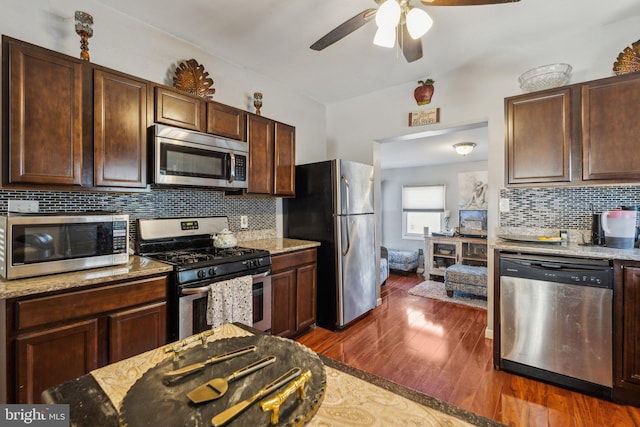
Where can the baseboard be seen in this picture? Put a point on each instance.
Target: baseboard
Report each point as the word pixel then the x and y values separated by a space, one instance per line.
pixel 488 333
pixel 378 302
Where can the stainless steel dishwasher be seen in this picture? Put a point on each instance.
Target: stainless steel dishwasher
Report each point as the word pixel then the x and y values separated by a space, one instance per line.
pixel 556 320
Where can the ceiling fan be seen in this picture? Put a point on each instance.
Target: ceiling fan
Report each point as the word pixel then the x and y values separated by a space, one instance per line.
pixel 401 20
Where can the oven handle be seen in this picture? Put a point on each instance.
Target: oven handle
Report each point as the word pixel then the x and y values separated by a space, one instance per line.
pixel 193 291
pixel 203 289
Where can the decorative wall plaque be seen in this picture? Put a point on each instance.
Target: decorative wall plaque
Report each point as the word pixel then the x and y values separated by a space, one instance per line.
pixel 424 117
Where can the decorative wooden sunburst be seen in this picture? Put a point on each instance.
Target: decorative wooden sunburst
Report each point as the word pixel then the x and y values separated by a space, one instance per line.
pixel 191 77
pixel 628 60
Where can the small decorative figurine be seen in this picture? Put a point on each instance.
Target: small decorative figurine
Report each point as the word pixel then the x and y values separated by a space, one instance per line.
pixel 84 29
pixel 424 92
pixel 257 101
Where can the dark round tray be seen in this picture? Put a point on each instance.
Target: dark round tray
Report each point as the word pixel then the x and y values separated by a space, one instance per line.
pixel 151 402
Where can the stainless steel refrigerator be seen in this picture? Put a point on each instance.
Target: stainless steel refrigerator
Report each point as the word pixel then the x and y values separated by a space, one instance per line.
pixel 334 205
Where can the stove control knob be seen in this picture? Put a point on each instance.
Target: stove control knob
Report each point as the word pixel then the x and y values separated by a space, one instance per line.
pixel 249 264
pixel 212 271
pixel 202 274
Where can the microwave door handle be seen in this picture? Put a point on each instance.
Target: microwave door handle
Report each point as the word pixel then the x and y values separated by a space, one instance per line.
pixel 232 167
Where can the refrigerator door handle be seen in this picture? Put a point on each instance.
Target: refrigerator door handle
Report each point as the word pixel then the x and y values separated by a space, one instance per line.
pixel 345 231
pixel 345 201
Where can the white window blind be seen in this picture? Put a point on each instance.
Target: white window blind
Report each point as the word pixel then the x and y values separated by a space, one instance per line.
pixel 424 198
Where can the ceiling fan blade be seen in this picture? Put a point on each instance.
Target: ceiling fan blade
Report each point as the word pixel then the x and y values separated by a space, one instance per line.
pixel 411 49
pixel 464 2
pixel 344 29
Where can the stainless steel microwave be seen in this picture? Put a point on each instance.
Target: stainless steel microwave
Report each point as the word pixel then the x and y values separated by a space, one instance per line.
pixel 38 244
pixel 183 157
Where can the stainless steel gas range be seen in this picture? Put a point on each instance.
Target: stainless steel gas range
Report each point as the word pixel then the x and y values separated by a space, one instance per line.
pixel 186 244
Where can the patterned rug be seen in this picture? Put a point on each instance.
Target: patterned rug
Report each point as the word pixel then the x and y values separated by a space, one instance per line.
pixel 435 290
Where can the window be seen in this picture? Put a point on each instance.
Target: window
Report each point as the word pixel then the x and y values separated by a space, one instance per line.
pixel 422 206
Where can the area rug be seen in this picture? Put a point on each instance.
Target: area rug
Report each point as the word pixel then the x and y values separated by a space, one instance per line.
pixel 435 290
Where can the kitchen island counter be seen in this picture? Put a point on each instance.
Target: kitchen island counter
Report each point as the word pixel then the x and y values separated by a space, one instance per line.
pixel 278 246
pixel 352 397
pixel 136 267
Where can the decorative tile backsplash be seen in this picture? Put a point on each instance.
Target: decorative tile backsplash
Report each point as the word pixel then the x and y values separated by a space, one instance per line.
pixel 564 208
pixel 157 203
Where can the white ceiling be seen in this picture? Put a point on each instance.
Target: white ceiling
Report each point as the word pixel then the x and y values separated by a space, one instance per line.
pixel 272 38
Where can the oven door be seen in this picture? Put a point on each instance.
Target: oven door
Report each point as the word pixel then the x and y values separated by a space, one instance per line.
pixel 192 307
pixel 262 301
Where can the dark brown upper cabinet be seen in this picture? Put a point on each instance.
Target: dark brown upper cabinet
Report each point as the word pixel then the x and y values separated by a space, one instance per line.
pixel 177 108
pixel 271 157
pixel 71 124
pixel 43 119
pixel 119 130
pixel 226 121
pixel 580 134
pixel 261 145
pixel 611 129
pixel 284 160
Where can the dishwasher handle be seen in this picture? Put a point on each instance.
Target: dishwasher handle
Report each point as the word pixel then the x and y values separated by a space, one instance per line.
pixel 575 274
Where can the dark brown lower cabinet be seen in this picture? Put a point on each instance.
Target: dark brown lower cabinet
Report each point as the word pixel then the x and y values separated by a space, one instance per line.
pixel 53 356
pixel 626 333
pixel 293 283
pixel 55 338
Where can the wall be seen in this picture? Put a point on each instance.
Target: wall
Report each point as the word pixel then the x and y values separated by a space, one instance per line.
pixel 472 94
pixel 394 179
pixel 133 47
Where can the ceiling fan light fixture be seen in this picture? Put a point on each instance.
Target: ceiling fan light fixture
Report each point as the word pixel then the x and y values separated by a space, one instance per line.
pixel 385 37
pixel 418 23
pixel 464 148
pixel 388 14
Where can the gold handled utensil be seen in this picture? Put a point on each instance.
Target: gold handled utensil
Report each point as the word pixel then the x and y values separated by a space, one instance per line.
pixel 228 414
pixel 295 386
pixel 179 373
pixel 217 387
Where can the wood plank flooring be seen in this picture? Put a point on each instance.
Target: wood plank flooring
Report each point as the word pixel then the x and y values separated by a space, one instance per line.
pixel 439 349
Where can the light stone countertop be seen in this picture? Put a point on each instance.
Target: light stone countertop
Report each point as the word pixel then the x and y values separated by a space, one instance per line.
pixel 277 246
pixel 136 267
pixel 567 249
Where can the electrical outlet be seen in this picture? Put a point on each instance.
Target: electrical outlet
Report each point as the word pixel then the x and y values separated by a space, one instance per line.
pixel 244 221
pixel 23 206
pixel 504 205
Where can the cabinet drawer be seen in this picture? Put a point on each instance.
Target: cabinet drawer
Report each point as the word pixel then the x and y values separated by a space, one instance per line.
pixel 50 309
pixel 289 260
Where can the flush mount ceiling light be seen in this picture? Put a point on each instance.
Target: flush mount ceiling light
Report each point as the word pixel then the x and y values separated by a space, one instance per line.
pixel 464 148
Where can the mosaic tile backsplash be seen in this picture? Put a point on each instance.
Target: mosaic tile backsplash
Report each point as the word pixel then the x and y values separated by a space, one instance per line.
pixel 564 208
pixel 157 203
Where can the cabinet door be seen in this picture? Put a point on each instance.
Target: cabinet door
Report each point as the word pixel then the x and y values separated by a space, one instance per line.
pixel 175 108
pixel 51 357
pixel 284 160
pixel 627 334
pixel 260 136
pixel 135 331
pixel 539 132
pixel 119 130
pixel 45 117
pixel 305 296
pixel 610 129
pixel 226 121
pixel 283 303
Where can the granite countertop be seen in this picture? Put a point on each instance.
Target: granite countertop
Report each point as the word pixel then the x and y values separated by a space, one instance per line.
pixel 567 249
pixel 352 396
pixel 136 267
pixel 277 246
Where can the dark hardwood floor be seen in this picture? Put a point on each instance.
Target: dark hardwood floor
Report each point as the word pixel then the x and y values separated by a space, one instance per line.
pixel 439 349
